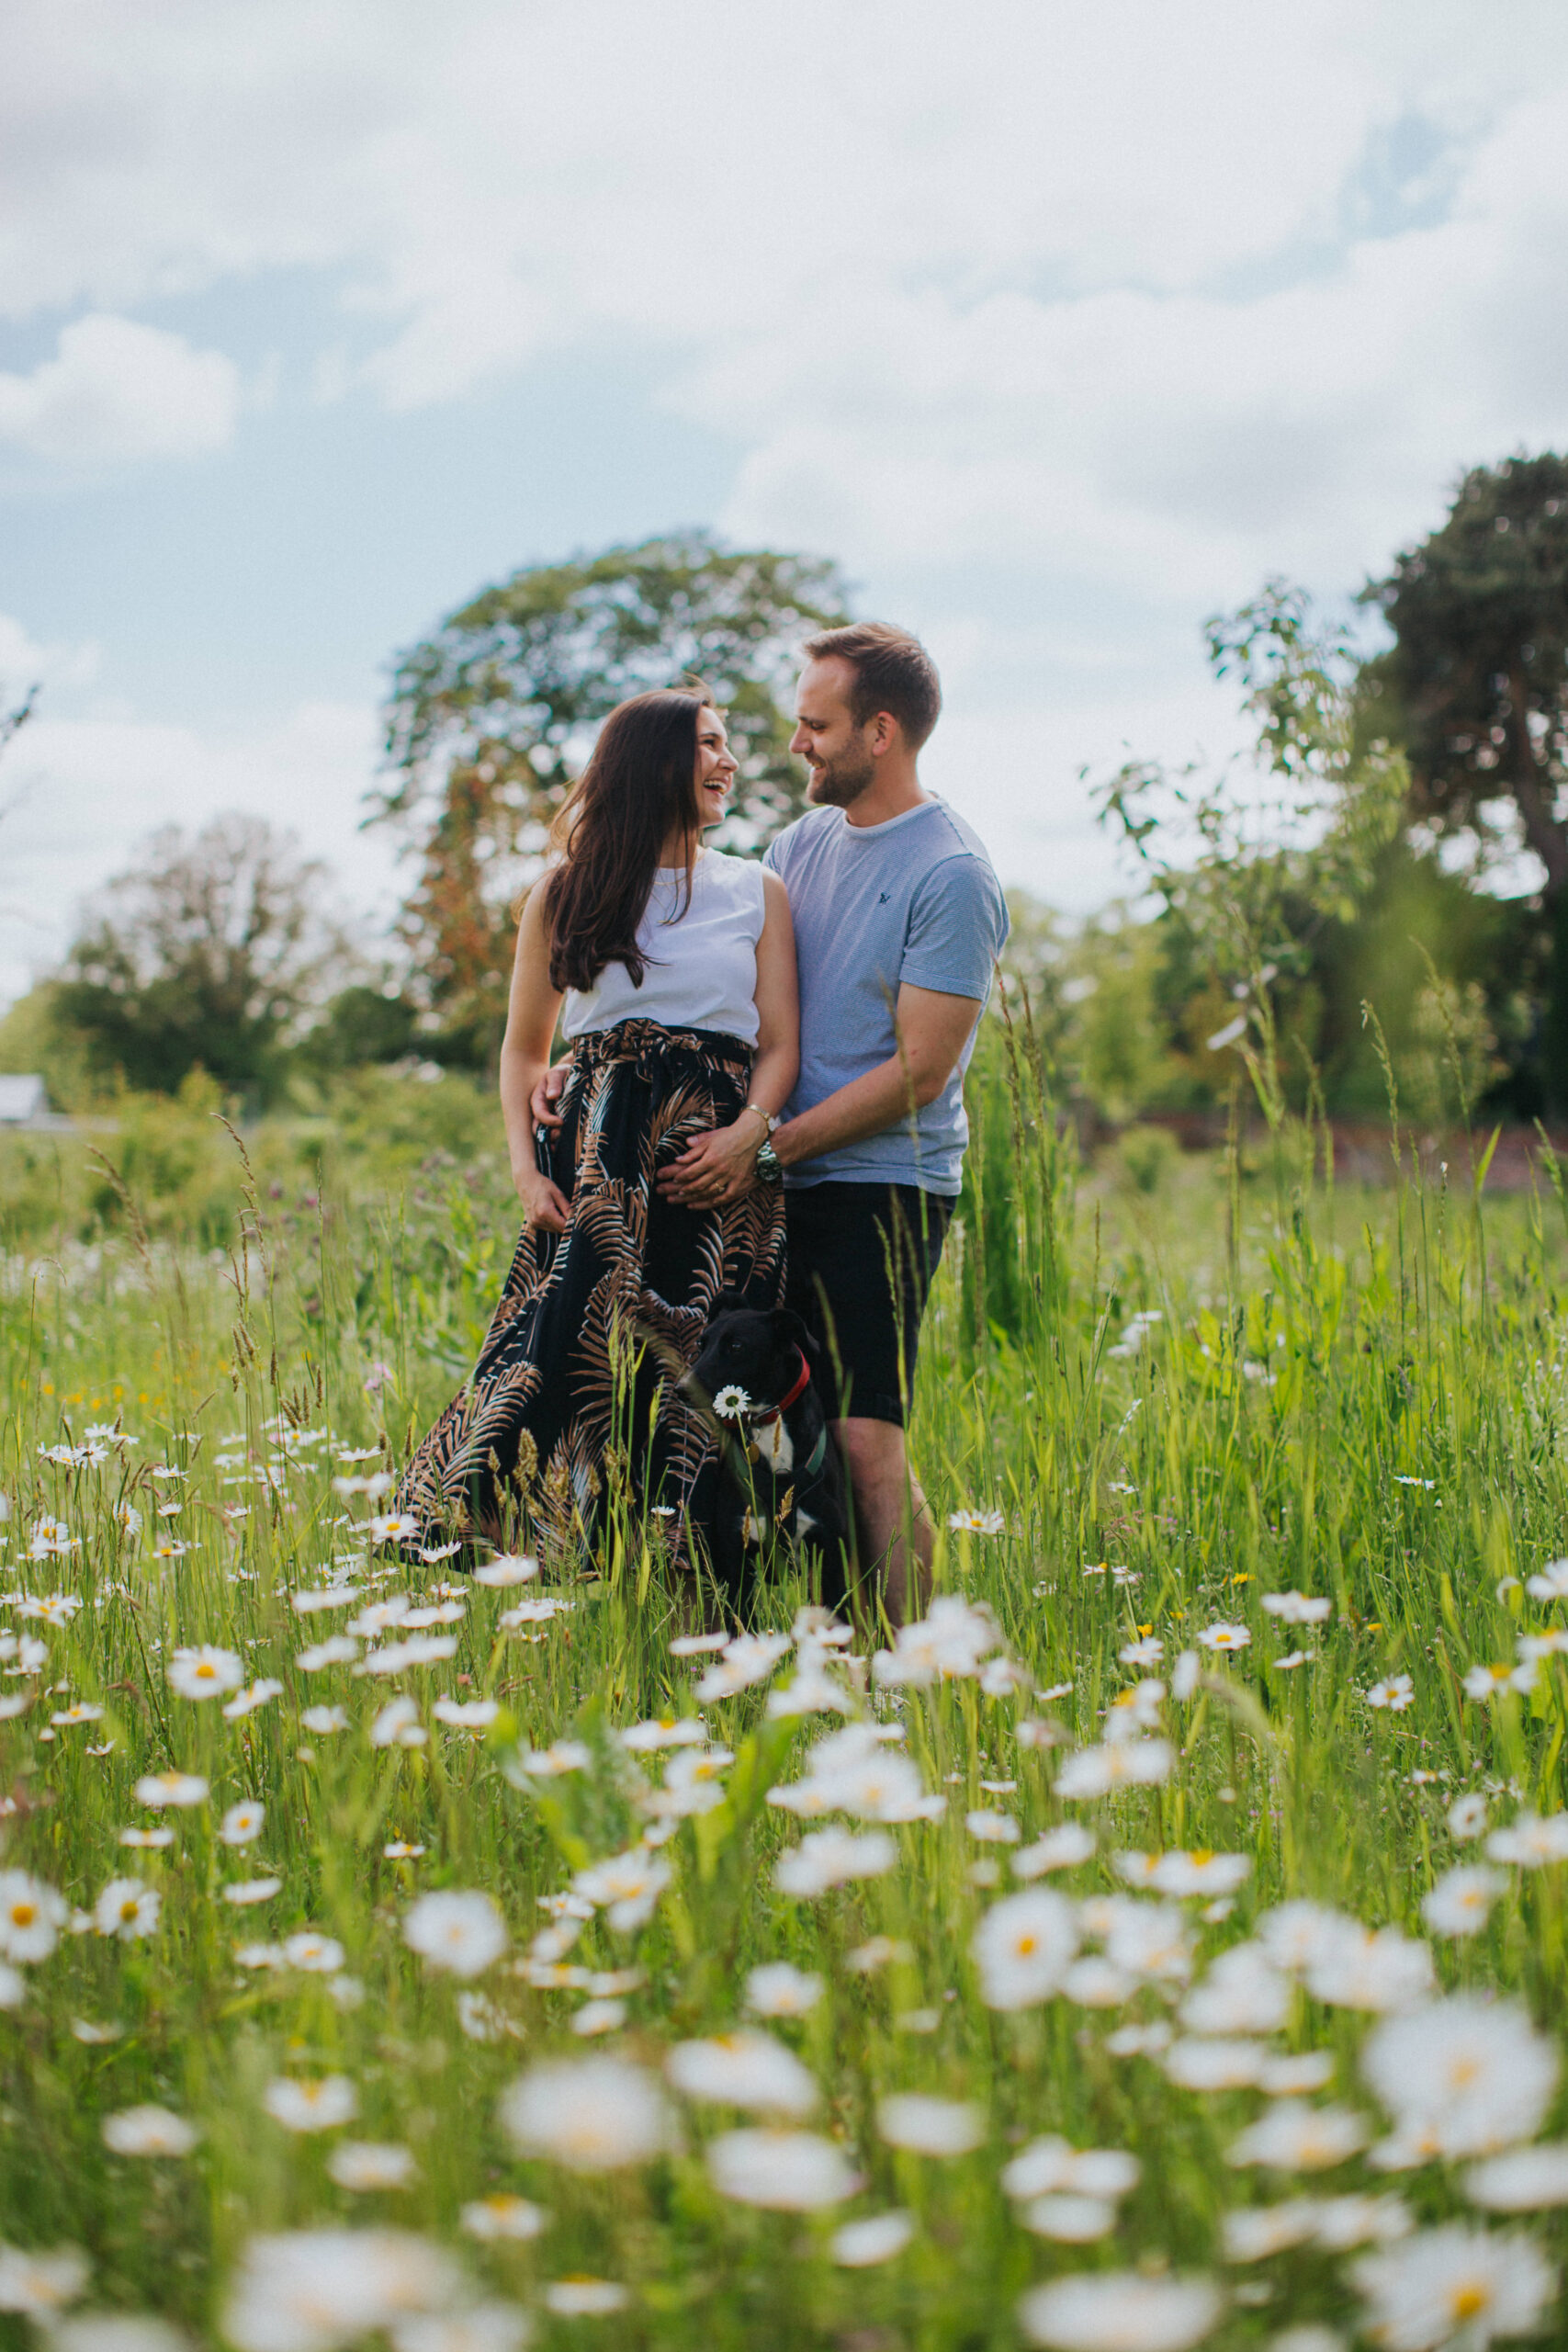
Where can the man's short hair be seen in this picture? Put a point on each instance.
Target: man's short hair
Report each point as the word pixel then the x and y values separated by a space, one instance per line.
pixel 892 673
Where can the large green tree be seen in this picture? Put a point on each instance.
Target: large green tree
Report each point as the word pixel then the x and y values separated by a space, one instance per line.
pixel 490 718
pixel 209 952
pixel 1476 685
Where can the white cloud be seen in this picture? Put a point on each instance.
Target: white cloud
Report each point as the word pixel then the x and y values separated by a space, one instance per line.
pixel 24 662
pixel 1082 284
pixel 84 793
pixel 1018 311
pixel 1131 437
pixel 119 391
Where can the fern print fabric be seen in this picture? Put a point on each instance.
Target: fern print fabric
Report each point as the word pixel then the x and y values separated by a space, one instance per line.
pixel 575 1382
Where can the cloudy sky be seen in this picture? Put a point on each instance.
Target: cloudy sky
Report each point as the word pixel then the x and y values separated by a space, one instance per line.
pixel 1058 326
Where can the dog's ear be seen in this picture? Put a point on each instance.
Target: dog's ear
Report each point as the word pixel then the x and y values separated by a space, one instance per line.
pixel 786 1321
pixel 729 1302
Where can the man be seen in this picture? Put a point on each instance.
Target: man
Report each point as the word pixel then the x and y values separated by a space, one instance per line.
pixel 898 920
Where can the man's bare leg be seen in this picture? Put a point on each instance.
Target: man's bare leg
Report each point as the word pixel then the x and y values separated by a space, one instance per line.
pixel 894 1526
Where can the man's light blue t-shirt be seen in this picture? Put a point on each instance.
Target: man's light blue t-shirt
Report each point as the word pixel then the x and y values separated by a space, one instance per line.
pixel 913 898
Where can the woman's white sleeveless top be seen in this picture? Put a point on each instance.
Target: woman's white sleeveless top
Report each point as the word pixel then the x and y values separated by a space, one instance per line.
pixel 701 966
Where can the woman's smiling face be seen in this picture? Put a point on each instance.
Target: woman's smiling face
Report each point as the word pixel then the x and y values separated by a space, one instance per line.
pixel 715 769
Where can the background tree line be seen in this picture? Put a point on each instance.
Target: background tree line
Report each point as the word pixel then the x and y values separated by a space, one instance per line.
pixel 1398 839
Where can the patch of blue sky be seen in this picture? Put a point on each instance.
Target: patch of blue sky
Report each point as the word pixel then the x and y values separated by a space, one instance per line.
pixel 1405 179
pixel 330 533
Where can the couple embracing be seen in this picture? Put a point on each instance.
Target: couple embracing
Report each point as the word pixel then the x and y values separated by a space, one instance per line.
pixel 762 1106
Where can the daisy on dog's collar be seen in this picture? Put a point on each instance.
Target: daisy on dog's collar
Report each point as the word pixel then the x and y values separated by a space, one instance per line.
pixel 733 1403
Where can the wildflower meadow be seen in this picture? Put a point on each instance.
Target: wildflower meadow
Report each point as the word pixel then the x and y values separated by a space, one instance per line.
pixel 1160 1943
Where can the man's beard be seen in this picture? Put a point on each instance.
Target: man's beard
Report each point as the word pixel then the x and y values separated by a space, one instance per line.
pixel 838 784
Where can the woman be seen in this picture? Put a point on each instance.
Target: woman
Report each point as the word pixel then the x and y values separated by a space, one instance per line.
pixel 671 967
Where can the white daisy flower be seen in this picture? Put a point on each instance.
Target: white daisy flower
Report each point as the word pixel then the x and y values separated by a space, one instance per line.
pixel 1121 2311
pixel 149 2131
pixel 128 1908
pixel 515 1568
pixel 928 2126
pixel 1460 1903
pixel 316 1954
pixel 829 1857
pixel 779 1989
pixel 1294 2137
pixel 1454 2284
pixel 322 1720
pixel 591 2114
pixel 743 2069
pixel 1462 2077
pixel 256 1694
pixel 578 2296
pixel 363 2164
pixel 878 2237
pixel 31 1916
pixel 502 2217
pixel 181 1789
pixel 459 1933
pixel 204 1672
pixel 787 2172
pixel 310 2106
pixel 1395 1691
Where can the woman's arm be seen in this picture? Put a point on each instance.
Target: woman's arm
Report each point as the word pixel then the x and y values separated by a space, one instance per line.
pixel 532 1011
pixel 777 1064
pixel 721 1165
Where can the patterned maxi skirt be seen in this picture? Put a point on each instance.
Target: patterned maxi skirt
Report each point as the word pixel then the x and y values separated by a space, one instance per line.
pixel 576 1377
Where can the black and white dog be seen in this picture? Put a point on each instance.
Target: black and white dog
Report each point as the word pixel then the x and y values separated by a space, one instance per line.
pixel 781 1473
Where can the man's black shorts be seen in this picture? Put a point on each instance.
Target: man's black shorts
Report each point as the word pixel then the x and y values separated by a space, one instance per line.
pixel 861 1262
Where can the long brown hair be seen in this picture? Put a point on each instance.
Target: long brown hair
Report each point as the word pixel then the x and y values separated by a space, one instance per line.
pixel 637 788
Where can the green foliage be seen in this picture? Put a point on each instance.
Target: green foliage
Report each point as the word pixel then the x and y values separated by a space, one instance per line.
pixel 490 718
pixel 35 1038
pixel 361 1025
pixel 368 1133
pixel 1268 866
pixel 207 954
pixel 1476 685
pixel 1286 910
pixel 1148 1158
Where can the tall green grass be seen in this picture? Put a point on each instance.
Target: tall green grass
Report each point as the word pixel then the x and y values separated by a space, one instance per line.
pixel 1360 1395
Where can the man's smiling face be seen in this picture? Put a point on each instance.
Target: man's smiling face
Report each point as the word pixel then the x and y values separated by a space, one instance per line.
pixel 838 753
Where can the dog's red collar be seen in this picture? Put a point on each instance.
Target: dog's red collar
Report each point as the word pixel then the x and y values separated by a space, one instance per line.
pixel 763 1420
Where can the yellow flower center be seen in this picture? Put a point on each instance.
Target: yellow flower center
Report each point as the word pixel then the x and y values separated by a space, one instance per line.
pixel 128 1908
pixel 1469 2300
pixel 23 1915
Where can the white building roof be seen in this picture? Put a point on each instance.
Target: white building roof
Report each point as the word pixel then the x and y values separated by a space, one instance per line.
pixel 21 1099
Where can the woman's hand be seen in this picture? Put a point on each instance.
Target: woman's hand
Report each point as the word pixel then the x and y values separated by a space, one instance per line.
pixel 543 1202
pixel 716 1166
pixel 544 1102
